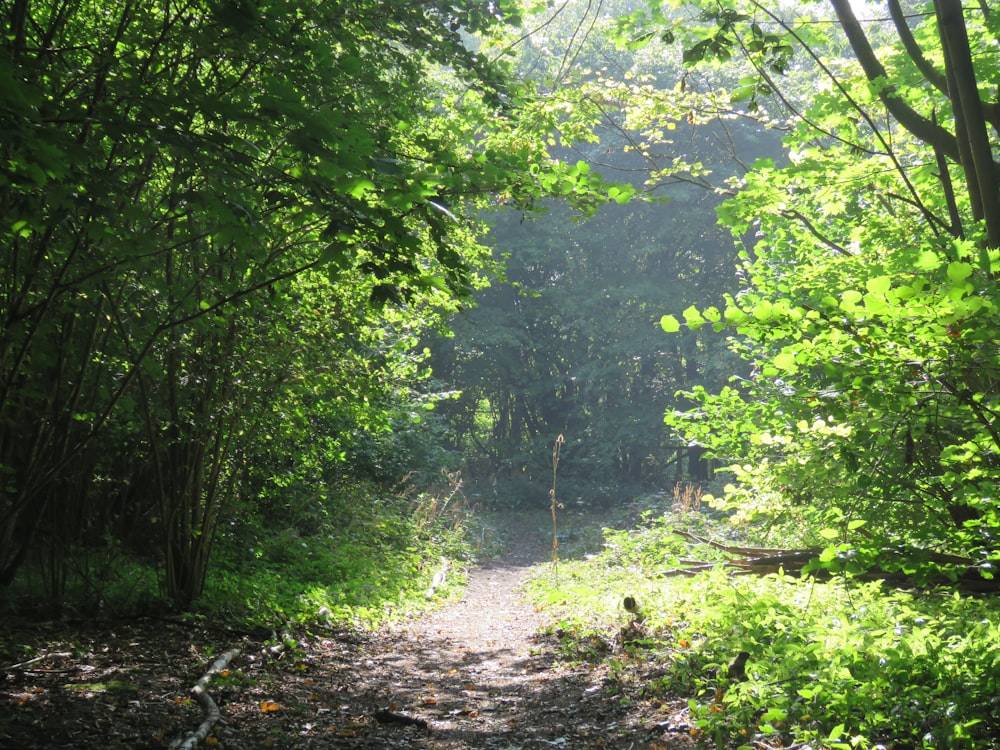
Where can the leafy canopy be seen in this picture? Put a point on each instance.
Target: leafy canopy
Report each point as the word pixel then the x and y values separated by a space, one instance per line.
pixel 870 302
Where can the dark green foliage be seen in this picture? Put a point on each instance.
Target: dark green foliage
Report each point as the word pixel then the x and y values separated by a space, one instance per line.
pixel 359 557
pixel 568 339
pixel 356 556
pixel 223 225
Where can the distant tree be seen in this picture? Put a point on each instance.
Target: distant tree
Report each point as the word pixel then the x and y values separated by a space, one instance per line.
pixel 568 341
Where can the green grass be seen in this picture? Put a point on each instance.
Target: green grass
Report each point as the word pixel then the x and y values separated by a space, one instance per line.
pixel 836 664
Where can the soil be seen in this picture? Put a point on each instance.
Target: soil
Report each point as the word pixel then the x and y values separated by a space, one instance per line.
pixel 473 674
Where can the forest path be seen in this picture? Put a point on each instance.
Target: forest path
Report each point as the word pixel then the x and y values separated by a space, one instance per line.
pixel 473 674
pixel 477 671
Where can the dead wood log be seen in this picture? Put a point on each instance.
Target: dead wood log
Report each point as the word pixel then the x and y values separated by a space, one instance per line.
pixel 200 693
pixel 963 573
pixel 748 551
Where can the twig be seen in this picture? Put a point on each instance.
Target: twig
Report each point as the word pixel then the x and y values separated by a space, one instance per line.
pixel 200 693
pixel 554 504
pixel 50 655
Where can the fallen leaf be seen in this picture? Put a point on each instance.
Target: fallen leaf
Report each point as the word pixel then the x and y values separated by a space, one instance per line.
pixel 267 707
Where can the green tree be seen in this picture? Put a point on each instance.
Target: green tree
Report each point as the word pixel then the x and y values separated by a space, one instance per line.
pixel 169 170
pixel 871 303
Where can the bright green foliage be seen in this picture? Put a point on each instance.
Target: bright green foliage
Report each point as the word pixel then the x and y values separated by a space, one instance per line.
pixel 831 664
pixel 871 305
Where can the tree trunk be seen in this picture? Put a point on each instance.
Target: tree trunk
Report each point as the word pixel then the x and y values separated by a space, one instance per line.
pixel 980 170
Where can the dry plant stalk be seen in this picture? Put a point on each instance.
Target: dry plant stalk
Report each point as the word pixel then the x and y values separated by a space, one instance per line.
pixel 554 504
pixel 687 498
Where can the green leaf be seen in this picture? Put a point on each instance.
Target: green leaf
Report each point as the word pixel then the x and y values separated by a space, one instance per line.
pixel 928 261
pixel 829 533
pixel 356 187
pixel 785 360
pixel 670 324
pixel 879 285
pixel 763 311
pixel 850 299
pixel 734 314
pixel 693 318
pixel 959 271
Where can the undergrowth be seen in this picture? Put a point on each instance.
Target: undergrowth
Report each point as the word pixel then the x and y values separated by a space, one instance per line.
pixel 835 664
pixel 373 558
pixel 358 556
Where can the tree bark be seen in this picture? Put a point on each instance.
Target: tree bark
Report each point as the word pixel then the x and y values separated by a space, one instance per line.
pixel 969 146
pixel 934 76
pixel 980 170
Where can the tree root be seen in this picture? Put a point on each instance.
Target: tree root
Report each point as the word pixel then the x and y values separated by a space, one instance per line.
pixel 200 693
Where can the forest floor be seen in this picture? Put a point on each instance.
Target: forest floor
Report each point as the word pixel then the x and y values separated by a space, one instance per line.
pixel 472 674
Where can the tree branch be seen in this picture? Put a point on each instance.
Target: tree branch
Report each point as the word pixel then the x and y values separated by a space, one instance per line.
pixel 924 129
pixel 934 76
pixel 200 693
pixel 980 169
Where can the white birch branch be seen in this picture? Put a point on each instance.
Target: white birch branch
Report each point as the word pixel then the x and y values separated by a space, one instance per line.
pixel 200 693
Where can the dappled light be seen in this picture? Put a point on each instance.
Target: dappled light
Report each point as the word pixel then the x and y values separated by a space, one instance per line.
pixel 449 375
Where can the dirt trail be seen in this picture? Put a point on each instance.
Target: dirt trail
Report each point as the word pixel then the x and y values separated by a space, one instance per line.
pixel 478 674
pixel 471 675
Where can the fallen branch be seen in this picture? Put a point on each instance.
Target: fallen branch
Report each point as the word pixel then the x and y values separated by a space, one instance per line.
pixel 47 655
pixel 748 551
pixel 200 693
pixel 388 717
pixel 955 571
